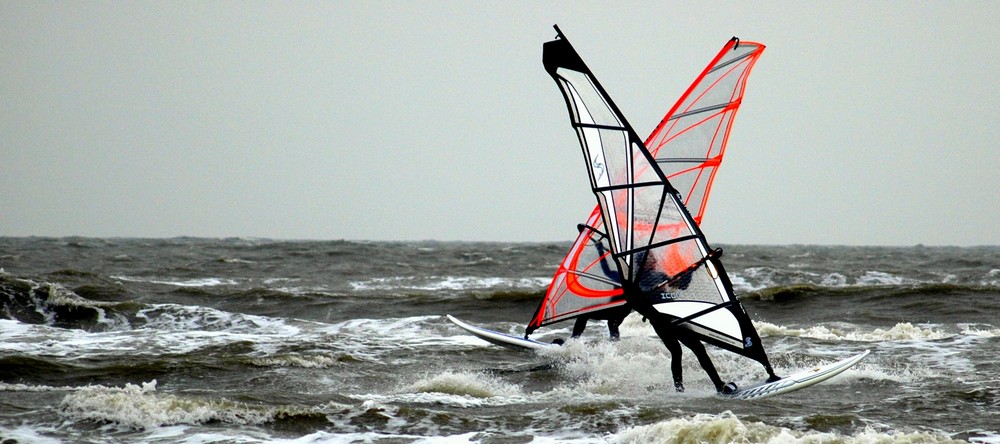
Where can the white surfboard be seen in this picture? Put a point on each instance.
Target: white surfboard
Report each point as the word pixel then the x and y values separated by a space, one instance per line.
pixel 502 339
pixel 798 380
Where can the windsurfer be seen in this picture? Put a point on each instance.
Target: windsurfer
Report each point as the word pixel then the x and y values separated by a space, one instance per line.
pixel 650 283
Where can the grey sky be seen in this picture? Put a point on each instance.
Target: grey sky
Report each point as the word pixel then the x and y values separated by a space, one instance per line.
pixel 866 123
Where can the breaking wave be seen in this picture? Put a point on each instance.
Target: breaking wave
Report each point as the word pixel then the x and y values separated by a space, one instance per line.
pixel 726 427
pixel 477 385
pixel 903 331
pixel 140 407
pixel 55 305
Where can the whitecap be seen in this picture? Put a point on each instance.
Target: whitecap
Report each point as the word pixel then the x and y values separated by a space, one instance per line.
pixel 199 282
pixel 457 283
pixel 879 278
pixel 141 407
pixel 727 427
pixel 903 331
pixel 476 385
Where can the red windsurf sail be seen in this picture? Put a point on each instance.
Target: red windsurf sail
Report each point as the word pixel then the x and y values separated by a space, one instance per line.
pixel 688 146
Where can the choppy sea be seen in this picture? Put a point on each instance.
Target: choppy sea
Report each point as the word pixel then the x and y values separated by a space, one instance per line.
pixel 252 340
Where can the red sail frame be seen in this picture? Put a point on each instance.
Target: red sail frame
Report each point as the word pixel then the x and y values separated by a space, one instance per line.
pixel 694 134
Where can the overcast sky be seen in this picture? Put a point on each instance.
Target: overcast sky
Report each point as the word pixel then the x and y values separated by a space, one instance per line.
pixel 864 123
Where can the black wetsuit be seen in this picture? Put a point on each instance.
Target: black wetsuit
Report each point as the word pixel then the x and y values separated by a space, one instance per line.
pixel 649 291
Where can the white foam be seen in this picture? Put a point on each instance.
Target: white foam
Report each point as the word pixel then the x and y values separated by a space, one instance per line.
pixel 436 283
pixel 171 329
pixel 142 407
pixel 980 330
pixel 311 361
pixel 992 278
pixel 903 331
pixel 879 278
pixel 199 282
pixel 6 387
pixel 726 427
pixel 57 295
pixel 24 433
pixel 477 385
pixel 834 280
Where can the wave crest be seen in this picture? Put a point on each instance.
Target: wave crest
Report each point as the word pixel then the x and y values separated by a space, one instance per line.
pixel 141 407
pixel 903 331
pixel 476 385
pixel 726 427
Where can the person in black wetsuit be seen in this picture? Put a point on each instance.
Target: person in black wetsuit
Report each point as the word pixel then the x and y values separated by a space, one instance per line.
pixel 650 289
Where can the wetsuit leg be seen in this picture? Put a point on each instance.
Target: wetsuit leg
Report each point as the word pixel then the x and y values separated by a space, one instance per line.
pixel 771 377
pixel 674 348
pixel 579 326
pixel 613 324
pixel 706 363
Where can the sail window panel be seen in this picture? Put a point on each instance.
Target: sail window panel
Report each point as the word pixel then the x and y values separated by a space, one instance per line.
pixel 697 136
pixel 671 223
pixel 642 170
pixel 619 221
pixel 683 182
pixel 669 228
pixel 743 55
pixel 612 224
pixel 596 287
pixel 697 197
pixel 676 170
pixel 714 90
pixel 691 278
pixel 701 287
pixel 723 84
pixel 591 293
pixel 614 144
pixel 596 260
pixel 590 101
pixel 648 200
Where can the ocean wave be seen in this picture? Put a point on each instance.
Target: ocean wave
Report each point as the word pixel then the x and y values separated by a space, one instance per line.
pixel 302 361
pixel 455 283
pixel 178 282
pixel 980 330
pixel 903 331
pixel 727 427
pixel 476 385
pixel 17 387
pixel 176 317
pixel 791 292
pixel 140 407
pixel 753 279
pixel 55 305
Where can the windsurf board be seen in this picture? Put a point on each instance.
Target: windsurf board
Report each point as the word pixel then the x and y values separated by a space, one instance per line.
pixel 502 339
pixel 798 381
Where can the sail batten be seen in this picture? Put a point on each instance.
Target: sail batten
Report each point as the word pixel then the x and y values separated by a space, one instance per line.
pixel 699 111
